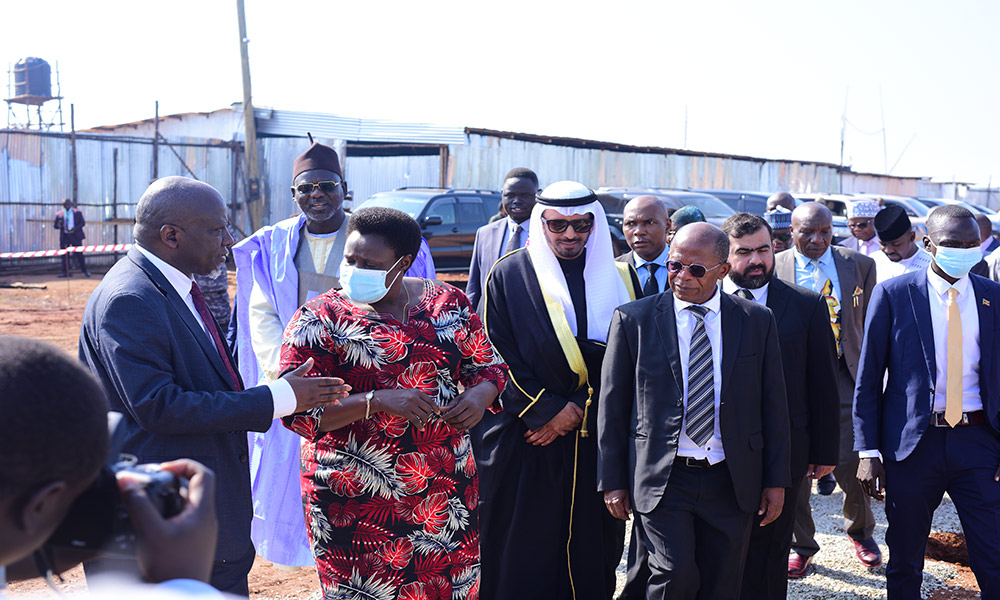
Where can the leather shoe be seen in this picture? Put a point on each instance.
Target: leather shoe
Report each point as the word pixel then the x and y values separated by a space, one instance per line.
pixel 826 485
pixel 867 552
pixel 797 565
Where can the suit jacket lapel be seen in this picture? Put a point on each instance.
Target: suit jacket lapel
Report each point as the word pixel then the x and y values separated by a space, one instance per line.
pixel 666 324
pixel 985 341
pixel 732 334
pixel 777 298
pixel 784 265
pixel 178 305
pixel 495 240
pixel 922 314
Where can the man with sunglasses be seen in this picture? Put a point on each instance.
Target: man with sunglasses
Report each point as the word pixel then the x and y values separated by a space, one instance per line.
pixel 809 363
pixel 845 278
pixel 861 222
pixel 693 423
pixel 278 269
pixel 544 532
pixel 780 221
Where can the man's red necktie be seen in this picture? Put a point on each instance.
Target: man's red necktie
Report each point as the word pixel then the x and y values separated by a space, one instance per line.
pixel 206 315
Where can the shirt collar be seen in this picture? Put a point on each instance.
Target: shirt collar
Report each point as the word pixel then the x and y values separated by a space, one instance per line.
pixel 801 260
pixel 730 287
pixel 985 245
pixel 939 285
pixel 713 304
pixel 659 260
pixel 512 225
pixel 179 281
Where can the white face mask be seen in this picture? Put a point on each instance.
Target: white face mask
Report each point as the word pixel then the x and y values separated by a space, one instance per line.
pixel 366 285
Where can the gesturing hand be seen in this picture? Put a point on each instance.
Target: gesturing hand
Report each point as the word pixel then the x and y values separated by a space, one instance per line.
pixel 183 546
pixel 315 392
pixel 413 405
pixel 617 503
pixel 566 420
pixel 871 476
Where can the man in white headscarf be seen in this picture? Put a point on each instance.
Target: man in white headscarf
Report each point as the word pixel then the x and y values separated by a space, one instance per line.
pixel 544 532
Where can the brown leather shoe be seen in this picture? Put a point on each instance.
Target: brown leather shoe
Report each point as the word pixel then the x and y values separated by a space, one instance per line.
pixel 867 552
pixel 797 564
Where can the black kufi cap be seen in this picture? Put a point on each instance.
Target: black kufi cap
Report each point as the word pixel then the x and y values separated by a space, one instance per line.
pixel 891 223
pixel 566 193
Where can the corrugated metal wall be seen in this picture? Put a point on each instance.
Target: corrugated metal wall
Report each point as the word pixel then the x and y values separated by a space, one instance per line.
pixel 484 161
pixel 36 175
pixel 369 175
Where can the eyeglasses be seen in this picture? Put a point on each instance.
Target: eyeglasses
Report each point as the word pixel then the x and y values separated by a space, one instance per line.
pixel 696 271
pixel 327 187
pixel 860 225
pixel 560 225
pixel 783 236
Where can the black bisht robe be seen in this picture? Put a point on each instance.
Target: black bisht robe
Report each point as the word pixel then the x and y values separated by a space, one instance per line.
pixel 528 494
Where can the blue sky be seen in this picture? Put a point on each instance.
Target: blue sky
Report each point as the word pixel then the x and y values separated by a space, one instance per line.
pixel 763 79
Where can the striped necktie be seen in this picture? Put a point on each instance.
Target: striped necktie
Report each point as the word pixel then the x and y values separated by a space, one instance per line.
pixel 699 416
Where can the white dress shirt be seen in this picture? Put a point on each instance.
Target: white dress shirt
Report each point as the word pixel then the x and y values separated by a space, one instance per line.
pixel 712 449
pixel 69 219
pixel 759 294
pixel 282 394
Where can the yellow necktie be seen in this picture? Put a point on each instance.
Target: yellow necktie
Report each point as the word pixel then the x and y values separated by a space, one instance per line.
pixel 953 390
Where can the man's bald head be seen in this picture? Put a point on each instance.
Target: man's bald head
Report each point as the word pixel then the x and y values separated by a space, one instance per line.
pixel 985 227
pixel 647 202
pixel 812 229
pixel 704 235
pixel 183 221
pixel 695 244
pixel 783 199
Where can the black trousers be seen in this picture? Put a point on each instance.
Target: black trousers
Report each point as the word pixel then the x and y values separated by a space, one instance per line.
pixel 960 461
pixel 697 536
pixel 765 574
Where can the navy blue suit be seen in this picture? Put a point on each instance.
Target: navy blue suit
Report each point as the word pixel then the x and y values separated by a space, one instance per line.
pixel 923 461
pixel 163 373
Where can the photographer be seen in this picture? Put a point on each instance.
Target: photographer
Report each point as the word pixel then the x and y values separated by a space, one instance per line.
pixel 53 442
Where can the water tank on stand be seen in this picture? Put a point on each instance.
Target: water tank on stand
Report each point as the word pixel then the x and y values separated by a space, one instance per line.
pixel 32 77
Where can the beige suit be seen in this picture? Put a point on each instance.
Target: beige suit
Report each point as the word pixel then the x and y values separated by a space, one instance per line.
pixel 856 273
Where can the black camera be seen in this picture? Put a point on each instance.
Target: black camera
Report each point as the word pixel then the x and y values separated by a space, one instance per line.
pixel 98 520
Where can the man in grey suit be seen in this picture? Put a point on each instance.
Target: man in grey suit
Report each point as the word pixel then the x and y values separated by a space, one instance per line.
pixel 517 197
pixel 701 446
pixel 845 278
pixel 150 339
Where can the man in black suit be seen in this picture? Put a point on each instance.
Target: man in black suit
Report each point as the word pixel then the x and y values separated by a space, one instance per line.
pixel 70 223
pixel 808 355
pixel 150 339
pixel 517 198
pixel 700 447
pixel 645 223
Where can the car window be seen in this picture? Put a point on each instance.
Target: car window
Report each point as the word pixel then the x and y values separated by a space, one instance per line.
pixel 838 208
pixel 470 210
pixel 909 211
pixel 411 206
pixel 711 207
pixel 444 208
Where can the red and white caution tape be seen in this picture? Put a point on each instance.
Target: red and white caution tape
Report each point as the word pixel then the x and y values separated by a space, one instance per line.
pixel 74 249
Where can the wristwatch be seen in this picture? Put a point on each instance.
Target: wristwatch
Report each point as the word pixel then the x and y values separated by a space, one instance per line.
pixel 368 403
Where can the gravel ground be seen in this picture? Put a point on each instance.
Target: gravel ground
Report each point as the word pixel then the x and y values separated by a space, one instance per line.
pixel 835 573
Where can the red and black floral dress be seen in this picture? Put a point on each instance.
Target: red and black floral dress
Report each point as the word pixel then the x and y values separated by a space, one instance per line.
pixel 392 511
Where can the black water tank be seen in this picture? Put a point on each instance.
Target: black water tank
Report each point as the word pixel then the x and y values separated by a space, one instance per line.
pixel 32 77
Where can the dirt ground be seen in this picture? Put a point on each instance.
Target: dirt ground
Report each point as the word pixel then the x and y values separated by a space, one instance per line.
pixel 53 314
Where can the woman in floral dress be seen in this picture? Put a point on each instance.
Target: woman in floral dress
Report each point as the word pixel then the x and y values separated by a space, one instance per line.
pixel 388 475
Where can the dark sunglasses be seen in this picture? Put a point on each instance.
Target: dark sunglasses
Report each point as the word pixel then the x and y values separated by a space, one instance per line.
pixel 784 237
pixel 560 225
pixel 860 225
pixel 327 187
pixel 696 271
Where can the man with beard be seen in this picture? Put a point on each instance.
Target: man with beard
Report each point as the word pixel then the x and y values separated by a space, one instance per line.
pixel 900 253
pixel 808 357
pixel 149 337
pixel 544 532
pixel 517 198
pixel 693 423
pixel 278 269
pixel 845 279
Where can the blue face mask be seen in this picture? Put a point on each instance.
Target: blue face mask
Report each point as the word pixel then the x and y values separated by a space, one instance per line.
pixel 957 262
pixel 365 285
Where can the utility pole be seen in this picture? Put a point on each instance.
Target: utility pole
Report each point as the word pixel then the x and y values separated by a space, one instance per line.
pixel 254 191
pixel 156 141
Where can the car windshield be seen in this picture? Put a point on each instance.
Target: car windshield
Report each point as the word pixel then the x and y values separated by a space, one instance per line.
pixel 917 207
pixel 408 204
pixel 710 206
pixel 985 209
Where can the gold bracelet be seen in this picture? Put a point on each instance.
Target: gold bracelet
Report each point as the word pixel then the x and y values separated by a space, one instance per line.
pixel 368 403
